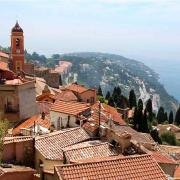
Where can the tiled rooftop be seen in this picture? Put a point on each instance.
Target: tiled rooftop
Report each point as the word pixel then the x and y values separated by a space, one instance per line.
pixel 71 108
pixel 106 111
pixel 8 140
pixel 173 151
pixel 168 127
pixel 14 171
pixel 28 123
pixel 162 158
pixel 177 173
pixel 66 95
pixel 3 66
pixel 142 167
pixel 58 140
pixel 76 87
pixel 92 150
pixel 2 54
pixel 136 136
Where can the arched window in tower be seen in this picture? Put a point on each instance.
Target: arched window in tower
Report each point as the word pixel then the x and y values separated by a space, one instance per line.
pixel 17 42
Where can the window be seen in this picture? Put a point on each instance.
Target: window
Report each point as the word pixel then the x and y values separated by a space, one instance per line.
pixel 92 100
pixel 10 106
pixel 18 66
pixel 17 42
pixel 18 51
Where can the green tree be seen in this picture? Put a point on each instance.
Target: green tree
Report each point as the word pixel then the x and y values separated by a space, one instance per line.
pixel 108 95
pixel 140 104
pixel 101 99
pixel 114 92
pixel 177 117
pixel 122 102
pixel 149 106
pixel 135 118
pixel 171 117
pixel 111 102
pixel 165 117
pixel 155 135
pixel 144 126
pixel 132 99
pixel 118 91
pixel 99 93
pixel 160 115
pixel 138 117
pixel 149 110
pixel 168 138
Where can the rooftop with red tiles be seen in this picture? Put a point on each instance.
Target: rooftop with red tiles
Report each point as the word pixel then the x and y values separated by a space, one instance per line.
pixel 136 136
pixel 3 66
pixel 72 108
pixel 58 140
pixel 162 158
pixel 177 173
pixel 106 112
pixel 28 123
pixel 8 140
pixel 2 54
pixel 142 167
pixel 77 88
pixel 66 95
pixel 87 151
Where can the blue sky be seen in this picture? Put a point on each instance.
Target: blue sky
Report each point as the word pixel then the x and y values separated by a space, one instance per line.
pixel 139 29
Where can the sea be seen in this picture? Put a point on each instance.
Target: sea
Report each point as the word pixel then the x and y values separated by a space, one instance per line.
pixel 169 75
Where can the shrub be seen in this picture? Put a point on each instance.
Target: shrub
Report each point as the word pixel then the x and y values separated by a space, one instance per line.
pixel 169 138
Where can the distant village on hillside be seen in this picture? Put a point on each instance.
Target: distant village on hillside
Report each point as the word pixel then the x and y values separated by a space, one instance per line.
pixel 55 131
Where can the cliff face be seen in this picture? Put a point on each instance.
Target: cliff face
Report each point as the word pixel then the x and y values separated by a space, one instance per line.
pixel 111 70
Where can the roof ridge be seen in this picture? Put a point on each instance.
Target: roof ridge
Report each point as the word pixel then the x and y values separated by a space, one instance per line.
pixel 92 145
pixel 56 132
pixel 114 158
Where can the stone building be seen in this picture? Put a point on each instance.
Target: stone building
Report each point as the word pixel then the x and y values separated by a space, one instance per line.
pixel 83 93
pixel 17 100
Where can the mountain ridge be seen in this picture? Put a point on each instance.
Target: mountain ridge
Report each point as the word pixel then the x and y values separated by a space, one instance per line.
pixel 110 70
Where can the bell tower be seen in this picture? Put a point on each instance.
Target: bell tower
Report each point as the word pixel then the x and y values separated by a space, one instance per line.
pixel 17 48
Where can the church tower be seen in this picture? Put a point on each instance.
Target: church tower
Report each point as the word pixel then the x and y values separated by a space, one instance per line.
pixel 17 48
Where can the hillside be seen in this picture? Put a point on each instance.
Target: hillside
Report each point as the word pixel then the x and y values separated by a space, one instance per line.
pixel 110 70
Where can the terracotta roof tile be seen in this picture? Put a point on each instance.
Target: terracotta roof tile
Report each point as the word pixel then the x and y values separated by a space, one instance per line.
pixel 4 66
pixel 106 112
pixel 58 140
pixel 177 173
pixel 136 136
pixel 76 88
pixel 8 140
pixel 72 108
pixel 2 54
pixel 173 151
pixel 162 158
pixel 142 167
pixel 91 150
pixel 28 123
pixel 66 95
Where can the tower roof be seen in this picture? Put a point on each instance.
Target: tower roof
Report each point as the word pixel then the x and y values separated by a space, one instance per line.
pixel 17 28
